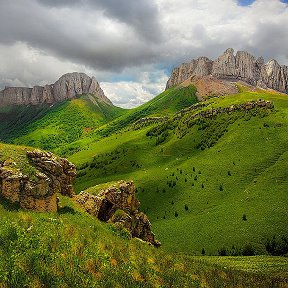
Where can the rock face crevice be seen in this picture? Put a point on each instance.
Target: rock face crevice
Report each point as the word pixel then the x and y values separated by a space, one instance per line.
pixel 119 205
pixel 66 87
pixel 38 192
pixel 242 66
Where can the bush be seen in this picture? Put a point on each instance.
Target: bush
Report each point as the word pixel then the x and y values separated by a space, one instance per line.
pixel 186 207
pixel 223 252
pixel 203 251
pixel 176 214
pixel 244 217
pixel 248 250
pixel 277 247
pixel 221 187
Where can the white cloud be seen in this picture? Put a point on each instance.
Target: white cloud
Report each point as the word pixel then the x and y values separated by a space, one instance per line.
pixel 128 94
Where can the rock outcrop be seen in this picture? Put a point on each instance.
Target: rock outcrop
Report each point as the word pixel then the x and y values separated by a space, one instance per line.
pixel 68 86
pixel 38 192
pixel 119 205
pixel 242 66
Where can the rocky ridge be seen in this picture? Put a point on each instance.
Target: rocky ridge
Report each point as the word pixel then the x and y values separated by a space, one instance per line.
pixel 66 87
pixel 38 192
pixel 118 205
pixel 241 66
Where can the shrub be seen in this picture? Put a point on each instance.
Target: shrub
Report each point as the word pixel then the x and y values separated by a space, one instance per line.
pixel 223 252
pixel 186 207
pixel 176 214
pixel 221 187
pixel 244 217
pixel 277 247
pixel 229 173
pixel 203 251
pixel 248 250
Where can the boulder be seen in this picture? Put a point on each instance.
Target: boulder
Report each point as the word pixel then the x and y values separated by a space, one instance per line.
pixel 119 205
pixel 39 191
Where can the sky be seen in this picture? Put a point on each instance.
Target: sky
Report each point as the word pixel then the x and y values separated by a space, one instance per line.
pixel 131 46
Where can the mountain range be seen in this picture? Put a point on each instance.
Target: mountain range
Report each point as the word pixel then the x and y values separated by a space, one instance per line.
pixel 242 66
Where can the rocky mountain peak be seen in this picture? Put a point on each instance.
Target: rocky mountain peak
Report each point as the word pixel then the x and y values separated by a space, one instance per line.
pixel 66 87
pixel 240 66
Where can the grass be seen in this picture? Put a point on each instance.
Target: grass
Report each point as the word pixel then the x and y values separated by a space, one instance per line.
pixel 72 249
pixel 252 148
pixel 15 158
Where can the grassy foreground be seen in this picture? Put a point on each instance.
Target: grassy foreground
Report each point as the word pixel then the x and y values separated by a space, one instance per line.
pixel 73 249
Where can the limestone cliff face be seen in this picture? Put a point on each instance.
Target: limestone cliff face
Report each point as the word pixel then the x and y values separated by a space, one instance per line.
pixel 66 87
pixel 119 205
pixel 242 66
pixel 53 175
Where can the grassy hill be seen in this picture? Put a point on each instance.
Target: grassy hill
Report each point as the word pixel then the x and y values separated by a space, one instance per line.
pixel 53 127
pixel 71 248
pixel 218 186
pixel 49 127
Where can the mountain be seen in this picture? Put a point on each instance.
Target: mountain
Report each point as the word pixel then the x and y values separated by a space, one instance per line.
pixel 66 87
pixel 242 66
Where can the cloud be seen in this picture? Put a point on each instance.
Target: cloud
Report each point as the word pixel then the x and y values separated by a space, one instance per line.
pixel 117 40
pixel 141 15
pixel 128 94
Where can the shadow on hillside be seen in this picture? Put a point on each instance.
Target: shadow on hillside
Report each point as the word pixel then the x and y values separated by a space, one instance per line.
pixel 66 210
pixel 8 205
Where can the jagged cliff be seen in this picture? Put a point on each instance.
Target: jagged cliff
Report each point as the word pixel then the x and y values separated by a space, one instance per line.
pixel 242 66
pixel 66 87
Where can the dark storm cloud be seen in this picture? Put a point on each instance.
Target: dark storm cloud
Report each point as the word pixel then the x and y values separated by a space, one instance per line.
pixel 66 34
pixel 141 15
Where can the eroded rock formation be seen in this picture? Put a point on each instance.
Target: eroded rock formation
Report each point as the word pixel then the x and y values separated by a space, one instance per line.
pixel 38 192
pixel 119 205
pixel 66 87
pixel 242 66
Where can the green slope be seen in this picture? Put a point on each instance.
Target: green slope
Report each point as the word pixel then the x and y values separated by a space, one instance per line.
pixel 50 127
pixel 196 183
pixel 165 104
pixel 71 248
pixel 243 172
pixel 53 127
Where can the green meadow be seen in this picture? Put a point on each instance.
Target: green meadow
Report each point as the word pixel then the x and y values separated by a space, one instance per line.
pixel 210 187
